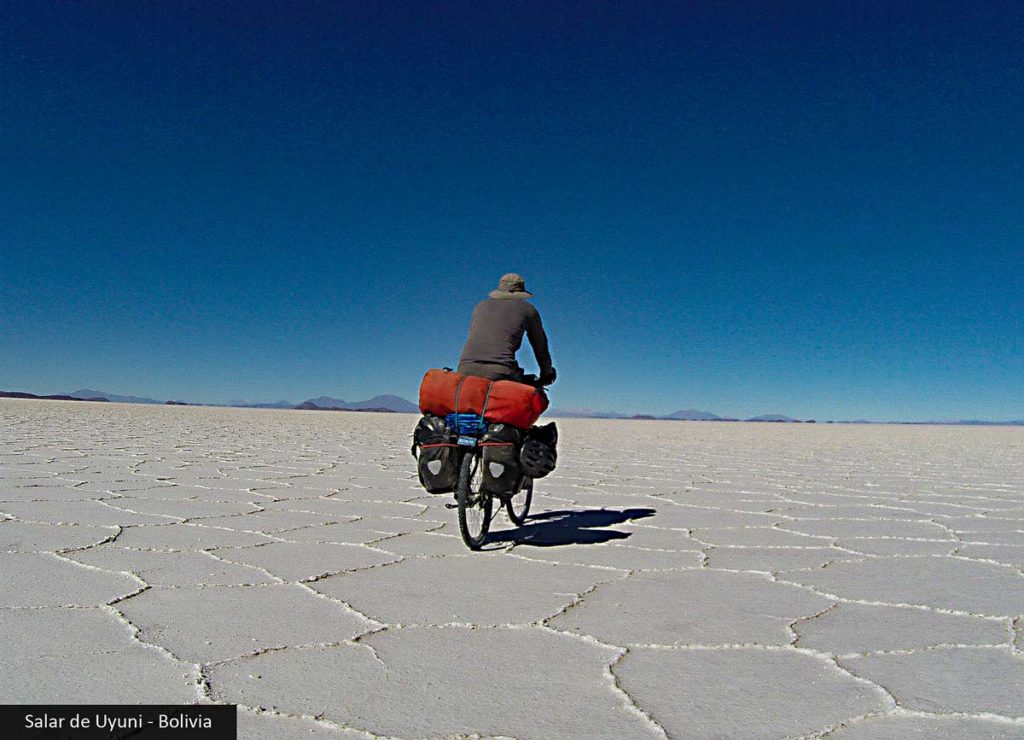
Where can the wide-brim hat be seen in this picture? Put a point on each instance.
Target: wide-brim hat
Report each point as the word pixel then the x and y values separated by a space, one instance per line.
pixel 511 285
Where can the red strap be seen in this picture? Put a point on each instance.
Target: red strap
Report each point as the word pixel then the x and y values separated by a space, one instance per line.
pixel 442 444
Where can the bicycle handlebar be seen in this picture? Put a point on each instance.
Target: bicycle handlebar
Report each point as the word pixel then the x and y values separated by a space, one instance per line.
pixel 533 380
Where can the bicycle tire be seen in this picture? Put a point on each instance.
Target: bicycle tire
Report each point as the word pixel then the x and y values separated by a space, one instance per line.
pixel 472 504
pixel 525 495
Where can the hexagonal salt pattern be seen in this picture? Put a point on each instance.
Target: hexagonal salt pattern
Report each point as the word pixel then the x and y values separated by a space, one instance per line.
pixel 972 680
pixel 95 655
pixel 907 724
pixel 745 692
pixel 700 606
pixel 674 579
pixel 980 587
pixel 455 681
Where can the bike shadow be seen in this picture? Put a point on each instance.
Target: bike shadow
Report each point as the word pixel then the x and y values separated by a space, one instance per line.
pixel 570 527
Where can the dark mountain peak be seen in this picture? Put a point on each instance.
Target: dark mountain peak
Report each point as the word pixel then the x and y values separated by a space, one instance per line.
pixel 87 393
pixel 585 414
pixel 694 415
pixel 258 405
pixel 391 403
pixel 55 397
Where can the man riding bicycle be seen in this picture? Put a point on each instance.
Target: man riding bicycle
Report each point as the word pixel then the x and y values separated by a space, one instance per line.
pixel 496 334
pixel 477 437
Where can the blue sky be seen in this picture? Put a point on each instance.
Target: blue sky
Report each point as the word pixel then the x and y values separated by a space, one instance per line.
pixel 808 208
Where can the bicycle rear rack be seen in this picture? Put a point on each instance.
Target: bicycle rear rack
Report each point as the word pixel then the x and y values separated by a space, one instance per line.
pixel 470 424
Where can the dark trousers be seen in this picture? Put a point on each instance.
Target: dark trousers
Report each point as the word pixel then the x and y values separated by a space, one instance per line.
pixel 491 371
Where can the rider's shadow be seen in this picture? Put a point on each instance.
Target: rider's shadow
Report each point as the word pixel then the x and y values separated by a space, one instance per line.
pixel 568 527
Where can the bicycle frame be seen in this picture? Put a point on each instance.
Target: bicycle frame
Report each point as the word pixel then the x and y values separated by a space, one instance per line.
pixel 469 430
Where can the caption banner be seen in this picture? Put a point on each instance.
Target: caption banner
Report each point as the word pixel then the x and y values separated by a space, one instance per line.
pixel 109 721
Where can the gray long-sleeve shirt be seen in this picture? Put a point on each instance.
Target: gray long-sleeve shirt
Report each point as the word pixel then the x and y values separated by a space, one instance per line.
pixel 496 334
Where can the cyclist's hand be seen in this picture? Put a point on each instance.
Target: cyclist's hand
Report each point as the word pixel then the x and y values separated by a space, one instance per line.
pixel 549 377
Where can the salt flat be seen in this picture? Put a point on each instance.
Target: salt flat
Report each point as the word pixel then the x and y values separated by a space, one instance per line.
pixel 676 578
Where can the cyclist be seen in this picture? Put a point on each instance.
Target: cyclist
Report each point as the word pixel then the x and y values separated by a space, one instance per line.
pixel 496 334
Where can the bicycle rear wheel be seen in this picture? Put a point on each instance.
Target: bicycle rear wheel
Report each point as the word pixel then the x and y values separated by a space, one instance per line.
pixel 474 506
pixel 518 506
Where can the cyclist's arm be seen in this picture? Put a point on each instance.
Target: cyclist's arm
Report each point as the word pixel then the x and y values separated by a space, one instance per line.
pixel 539 342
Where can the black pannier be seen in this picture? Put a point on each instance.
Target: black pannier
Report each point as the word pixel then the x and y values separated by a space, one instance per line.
pixel 539 453
pixel 436 459
pixel 500 459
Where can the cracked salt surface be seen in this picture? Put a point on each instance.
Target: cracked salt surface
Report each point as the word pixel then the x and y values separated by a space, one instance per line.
pixel 680 580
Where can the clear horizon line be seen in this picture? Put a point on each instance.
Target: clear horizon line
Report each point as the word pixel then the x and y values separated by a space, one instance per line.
pixel 608 415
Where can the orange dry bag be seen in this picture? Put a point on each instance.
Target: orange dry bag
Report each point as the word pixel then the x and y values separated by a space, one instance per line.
pixel 445 392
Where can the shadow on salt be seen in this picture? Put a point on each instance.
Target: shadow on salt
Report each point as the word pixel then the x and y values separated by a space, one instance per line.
pixel 569 527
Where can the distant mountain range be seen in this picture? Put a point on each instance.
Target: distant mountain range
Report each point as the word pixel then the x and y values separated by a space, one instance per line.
pixel 396 404
pixel 255 405
pixel 585 414
pixel 55 397
pixel 86 394
pixel 683 415
pixel 387 403
pixel 695 415
pixel 965 422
